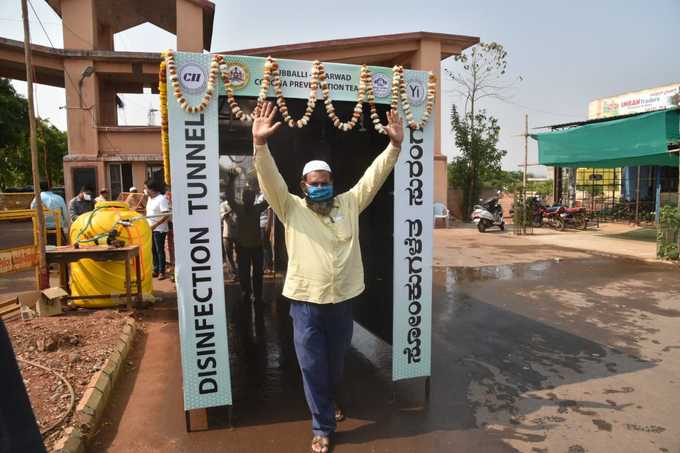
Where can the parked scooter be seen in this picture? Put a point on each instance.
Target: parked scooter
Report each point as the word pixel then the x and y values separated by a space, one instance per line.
pixel 487 214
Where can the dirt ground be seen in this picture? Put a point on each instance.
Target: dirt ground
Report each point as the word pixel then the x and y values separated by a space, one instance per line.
pixel 575 352
pixel 535 349
pixel 467 247
pixel 75 345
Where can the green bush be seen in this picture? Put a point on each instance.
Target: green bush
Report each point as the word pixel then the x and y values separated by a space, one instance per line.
pixel 667 233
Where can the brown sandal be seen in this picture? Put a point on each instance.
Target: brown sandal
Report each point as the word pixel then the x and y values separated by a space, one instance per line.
pixel 339 414
pixel 320 444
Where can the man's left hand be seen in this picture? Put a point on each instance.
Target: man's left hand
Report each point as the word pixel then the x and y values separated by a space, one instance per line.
pixel 394 128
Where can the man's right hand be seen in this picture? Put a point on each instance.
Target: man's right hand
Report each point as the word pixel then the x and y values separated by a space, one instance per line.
pixel 262 123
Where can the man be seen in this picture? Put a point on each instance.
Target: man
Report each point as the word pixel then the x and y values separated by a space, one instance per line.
pixel 52 202
pixel 325 271
pixel 229 235
pixel 171 232
pixel 265 230
pixel 157 212
pixel 248 243
pixel 103 193
pixel 81 203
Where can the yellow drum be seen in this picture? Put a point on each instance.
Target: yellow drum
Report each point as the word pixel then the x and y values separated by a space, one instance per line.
pixel 90 277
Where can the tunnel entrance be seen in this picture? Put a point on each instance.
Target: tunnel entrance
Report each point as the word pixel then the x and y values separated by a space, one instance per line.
pixel 349 155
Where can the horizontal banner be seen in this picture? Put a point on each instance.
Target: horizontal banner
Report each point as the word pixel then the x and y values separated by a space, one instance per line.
pixel 18 259
pixel 343 79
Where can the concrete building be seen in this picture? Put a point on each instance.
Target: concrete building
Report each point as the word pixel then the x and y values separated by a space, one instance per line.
pixel 103 153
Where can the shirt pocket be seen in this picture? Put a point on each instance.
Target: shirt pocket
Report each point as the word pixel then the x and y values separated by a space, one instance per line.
pixel 343 227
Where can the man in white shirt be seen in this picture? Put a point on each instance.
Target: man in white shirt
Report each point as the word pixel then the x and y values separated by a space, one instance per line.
pixel 156 206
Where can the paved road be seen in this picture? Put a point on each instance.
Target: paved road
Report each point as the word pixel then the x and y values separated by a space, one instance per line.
pixel 576 354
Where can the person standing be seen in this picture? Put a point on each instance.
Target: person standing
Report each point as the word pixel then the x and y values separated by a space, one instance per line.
pixel 158 214
pixel 265 218
pixel 248 242
pixel 229 235
pixel 171 232
pixel 325 270
pixel 53 202
pixel 81 203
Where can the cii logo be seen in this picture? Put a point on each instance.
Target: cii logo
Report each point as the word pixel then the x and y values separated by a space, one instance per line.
pixel 192 77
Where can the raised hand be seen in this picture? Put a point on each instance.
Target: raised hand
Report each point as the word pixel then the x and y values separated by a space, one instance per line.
pixel 394 128
pixel 263 117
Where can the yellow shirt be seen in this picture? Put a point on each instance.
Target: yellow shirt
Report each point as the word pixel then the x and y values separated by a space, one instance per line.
pixel 324 258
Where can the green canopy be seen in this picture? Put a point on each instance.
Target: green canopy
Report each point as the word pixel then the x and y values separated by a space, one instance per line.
pixel 627 142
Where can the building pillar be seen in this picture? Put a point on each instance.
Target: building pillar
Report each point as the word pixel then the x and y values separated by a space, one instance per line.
pixel 428 58
pixel 104 38
pixel 108 110
pixel 189 26
pixel 79 20
pixel 657 201
pixel 138 175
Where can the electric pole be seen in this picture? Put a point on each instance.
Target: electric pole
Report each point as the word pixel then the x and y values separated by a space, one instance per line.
pixel 524 176
pixel 43 275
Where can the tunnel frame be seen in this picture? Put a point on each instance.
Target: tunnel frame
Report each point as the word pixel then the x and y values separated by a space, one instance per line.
pixel 194 164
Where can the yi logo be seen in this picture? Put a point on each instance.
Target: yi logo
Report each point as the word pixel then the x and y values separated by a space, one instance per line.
pixel 415 90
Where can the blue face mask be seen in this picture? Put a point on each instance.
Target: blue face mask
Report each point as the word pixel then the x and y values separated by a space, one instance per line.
pixel 321 193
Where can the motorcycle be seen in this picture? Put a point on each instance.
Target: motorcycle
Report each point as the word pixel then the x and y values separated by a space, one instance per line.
pixel 487 214
pixel 552 217
pixel 575 217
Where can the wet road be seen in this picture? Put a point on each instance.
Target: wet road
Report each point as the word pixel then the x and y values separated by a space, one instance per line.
pixel 552 356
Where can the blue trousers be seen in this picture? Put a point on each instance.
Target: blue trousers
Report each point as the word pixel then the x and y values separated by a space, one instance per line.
pixel 158 251
pixel 322 334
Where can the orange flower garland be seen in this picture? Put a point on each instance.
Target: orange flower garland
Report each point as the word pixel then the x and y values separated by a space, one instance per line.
pixel 165 142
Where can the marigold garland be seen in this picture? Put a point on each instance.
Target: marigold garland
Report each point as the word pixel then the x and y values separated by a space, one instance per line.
pixel 177 89
pixel 358 107
pixel 281 101
pixel 165 142
pixel 272 76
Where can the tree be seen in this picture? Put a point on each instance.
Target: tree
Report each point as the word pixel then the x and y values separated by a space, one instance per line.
pixel 540 188
pixel 507 181
pixel 480 158
pixel 481 75
pixel 15 154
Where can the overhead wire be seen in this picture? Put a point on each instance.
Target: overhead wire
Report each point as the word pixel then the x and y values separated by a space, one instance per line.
pixel 73 84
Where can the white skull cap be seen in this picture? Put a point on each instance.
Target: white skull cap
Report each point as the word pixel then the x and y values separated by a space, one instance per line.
pixel 315 165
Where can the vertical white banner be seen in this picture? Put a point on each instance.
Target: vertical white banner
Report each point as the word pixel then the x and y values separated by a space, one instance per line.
pixel 413 222
pixel 198 248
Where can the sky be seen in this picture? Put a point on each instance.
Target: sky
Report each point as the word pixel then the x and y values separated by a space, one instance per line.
pixel 566 53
